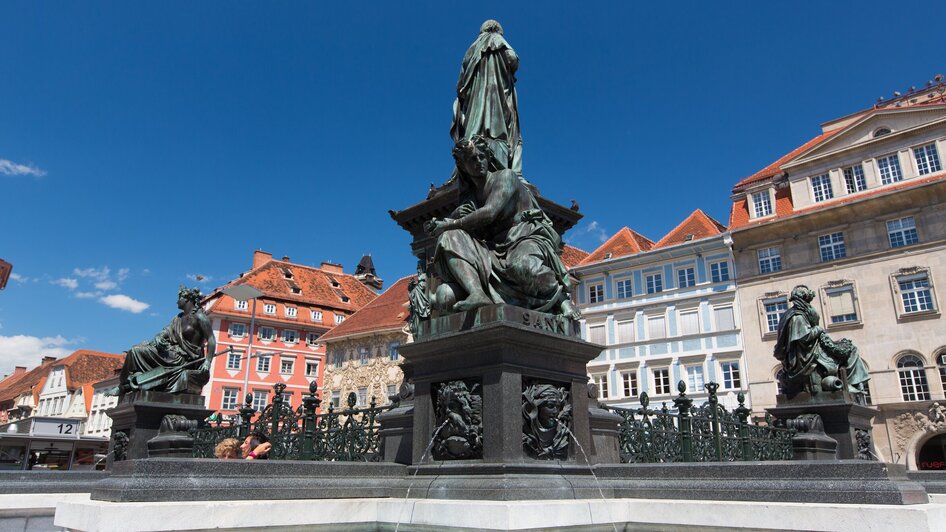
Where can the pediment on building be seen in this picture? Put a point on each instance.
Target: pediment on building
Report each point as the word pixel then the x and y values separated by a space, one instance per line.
pixel 871 129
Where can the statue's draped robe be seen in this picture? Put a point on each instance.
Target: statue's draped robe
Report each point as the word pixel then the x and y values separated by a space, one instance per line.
pixel 486 99
pixel 802 349
pixel 498 257
pixel 168 349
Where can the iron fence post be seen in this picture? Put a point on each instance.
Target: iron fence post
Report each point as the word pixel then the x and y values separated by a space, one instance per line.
pixel 276 410
pixel 311 403
pixel 713 400
pixel 246 414
pixel 743 414
pixel 683 404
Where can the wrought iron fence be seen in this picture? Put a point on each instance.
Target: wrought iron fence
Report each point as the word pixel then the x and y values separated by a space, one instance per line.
pixel 346 435
pixel 706 433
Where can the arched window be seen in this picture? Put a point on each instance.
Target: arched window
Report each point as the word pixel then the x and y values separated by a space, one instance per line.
pixel 881 131
pixel 941 362
pixel 913 385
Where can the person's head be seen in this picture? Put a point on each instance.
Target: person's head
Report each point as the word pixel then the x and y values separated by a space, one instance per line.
pixel 803 293
pixel 228 449
pixel 252 442
pixel 491 26
pixel 188 295
pixel 472 156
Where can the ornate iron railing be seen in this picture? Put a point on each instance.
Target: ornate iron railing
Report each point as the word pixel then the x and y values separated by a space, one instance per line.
pixel 707 433
pixel 346 435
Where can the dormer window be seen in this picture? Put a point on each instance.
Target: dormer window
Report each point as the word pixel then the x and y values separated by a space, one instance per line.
pixel 345 299
pixel 761 204
pixel 881 131
pixel 287 273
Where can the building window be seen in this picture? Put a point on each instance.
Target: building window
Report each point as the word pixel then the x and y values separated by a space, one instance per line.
pixel 262 364
pixel 689 323
pixel 336 399
pixel 625 331
pixel 629 380
pixel 854 179
pixel 237 330
pixel 362 396
pixel 867 398
pixel 661 381
pixel 840 302
pixel 286 398
pixel 902 232
pixel 239 305
pixel 286 366
pixel 259 400
pixel 732 379
pixel 941 360
pixel 269 308
pixel 656 328
pixel 832 247
pixel 719 271
pixel 624 289
pixel 311 368
pixel 601 381
pixel 339 318
pixel 761 204
pixel 889 167
pixel 927 160
pixel 695 380
pixel 916 294
pixel 725 320
pixel 230 399
pixel 290 337
pixel 267 334
pixel 337 358
pixel 393 354
pixel 913 385
pixel 685 277
pixel 773 312
pixel 291 312
pixel 596 293
pixel 821 188
pixel 770 260
pixel 363 356
pixel 655 283
pixel 312 339
pixel 596 334
pixel 316 315
pixel 881 131
pixel 233 360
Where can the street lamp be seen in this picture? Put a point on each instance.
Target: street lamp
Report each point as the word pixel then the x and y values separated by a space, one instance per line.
pixel 246 292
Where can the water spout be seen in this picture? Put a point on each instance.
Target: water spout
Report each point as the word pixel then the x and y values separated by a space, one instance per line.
pixel 423 458
pixel 593 475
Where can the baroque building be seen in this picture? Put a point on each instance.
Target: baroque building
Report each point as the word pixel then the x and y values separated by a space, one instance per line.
pixel 665 311
pixel 297 306
pixel 857 215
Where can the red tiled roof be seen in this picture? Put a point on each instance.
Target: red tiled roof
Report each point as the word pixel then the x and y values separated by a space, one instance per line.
pixel 776 167
pixel 572 256
pixel 318 290
pixel 387 312
pixel 83 367
pixel 696 226
pixel 625 242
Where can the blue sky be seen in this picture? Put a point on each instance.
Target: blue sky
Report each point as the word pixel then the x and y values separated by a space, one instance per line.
pixel 143 144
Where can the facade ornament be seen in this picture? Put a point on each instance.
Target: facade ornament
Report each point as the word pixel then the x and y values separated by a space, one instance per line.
pixel 459 416
pixel 547 413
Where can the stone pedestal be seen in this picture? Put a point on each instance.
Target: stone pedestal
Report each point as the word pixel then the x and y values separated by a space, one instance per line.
pixel 605 435
pixel 137 419
pixel 397 433
pixel 845 421
pixel 497 351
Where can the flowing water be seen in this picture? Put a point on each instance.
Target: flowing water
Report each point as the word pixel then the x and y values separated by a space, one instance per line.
pixel 430 445
pixel 607 507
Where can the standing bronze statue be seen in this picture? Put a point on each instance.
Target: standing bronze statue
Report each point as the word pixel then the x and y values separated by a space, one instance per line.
pixel 175 360
pixel 811 360
pixel 486 103
pixel 498 246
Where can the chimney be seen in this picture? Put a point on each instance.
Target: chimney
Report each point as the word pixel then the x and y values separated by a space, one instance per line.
pixel 47 359
pixel 260 258
pixel 331 267
pixel 19 370
pixel 285 258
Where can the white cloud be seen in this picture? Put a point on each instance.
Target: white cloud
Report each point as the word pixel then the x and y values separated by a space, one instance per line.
pixel 122 274
pixel 99 274
pixel 593 230
pixel 28 351
pixel 88 295
pixel 67 282
pixel 199 278
pixel 8 167
pixel 106 285
pixel 123 302
pixel 19 278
